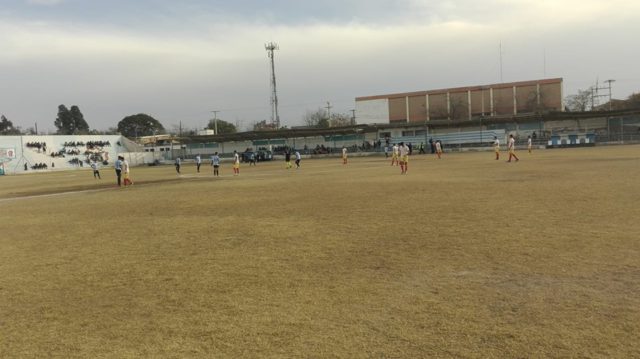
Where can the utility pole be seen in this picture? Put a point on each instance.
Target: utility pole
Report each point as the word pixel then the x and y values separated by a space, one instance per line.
pixel 215 122
pixel 36 128
pixel 595 95
pixel 609 87
pixel 353 117
pixel 275 118
pixel 328 107
pixel 501 62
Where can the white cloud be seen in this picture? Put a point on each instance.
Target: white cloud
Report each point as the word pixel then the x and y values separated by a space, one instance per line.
pixel 181 74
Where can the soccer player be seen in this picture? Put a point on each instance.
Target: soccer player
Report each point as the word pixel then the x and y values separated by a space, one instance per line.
pixel 394 155
pixel 287 158
pixel 118 168
pixel 404 158
pixel 177 163
pixel 438 149
pixel 496 147
pixel 512 148
pixel 236 163
pixel 215 162
pixel 298 158
pixel 125 170
pixel 198 163
pixel 529 143
pixel 344 155
pixel 96 169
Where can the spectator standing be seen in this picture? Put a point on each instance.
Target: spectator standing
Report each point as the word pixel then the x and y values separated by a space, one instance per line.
pixel 96 169
pixel 118 167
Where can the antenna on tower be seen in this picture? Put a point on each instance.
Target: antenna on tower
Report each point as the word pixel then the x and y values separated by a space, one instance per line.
pixel 275 118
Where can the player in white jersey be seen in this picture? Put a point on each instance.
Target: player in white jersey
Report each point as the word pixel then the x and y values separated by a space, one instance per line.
pixel 529 143
pixel 344 155
pixel 404 158
pixel 215 162
pixel 298 158
pixel 438 149
pixel 496 147
pixel 236 163
pixel 394 155
pixel 96 169
pixel 512 148
pixel 198 163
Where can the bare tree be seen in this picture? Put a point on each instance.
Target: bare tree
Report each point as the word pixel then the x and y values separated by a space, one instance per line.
pixel 316 119
pixel 579 102
pixel 340 120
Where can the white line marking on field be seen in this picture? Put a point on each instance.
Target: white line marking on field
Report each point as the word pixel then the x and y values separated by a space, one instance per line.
pixel 328 168
pixel 54 194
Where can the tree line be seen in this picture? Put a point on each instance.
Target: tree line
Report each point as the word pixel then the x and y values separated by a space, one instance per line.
pixel 584 100
pixel 70 121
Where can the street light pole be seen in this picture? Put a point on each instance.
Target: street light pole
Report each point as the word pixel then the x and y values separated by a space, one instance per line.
pixel 215 122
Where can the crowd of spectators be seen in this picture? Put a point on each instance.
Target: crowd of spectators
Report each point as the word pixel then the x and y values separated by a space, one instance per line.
pixel 88 144
pixel 60 153
pixel 39 166
pixel 93 144
pixel 40 146
pixel 76 161
pixel 73 151
pixel 321 150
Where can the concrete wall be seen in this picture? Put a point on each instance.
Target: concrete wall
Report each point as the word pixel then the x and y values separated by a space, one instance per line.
pixel 462 103
pixel 373 111
pixel 73 156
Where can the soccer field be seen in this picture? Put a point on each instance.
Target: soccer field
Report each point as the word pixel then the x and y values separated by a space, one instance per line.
pixel 463 257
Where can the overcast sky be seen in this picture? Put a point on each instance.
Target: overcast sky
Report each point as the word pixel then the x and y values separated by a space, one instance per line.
pixel 179 60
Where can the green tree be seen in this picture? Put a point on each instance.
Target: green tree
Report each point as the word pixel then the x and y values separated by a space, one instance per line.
pixel 223 127
pixel 6 127
pixel 70 122
pixel 140 125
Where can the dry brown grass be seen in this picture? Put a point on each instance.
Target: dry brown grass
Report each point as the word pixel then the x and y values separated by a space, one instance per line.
pixel 465 257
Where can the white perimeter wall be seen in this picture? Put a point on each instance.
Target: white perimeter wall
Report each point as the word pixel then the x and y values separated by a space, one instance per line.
pixel 31 156
pixel 372 111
